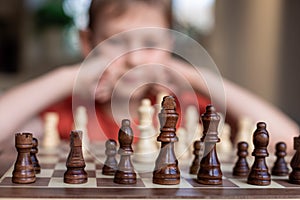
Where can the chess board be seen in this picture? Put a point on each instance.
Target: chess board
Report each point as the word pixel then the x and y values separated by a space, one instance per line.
pixel 49 183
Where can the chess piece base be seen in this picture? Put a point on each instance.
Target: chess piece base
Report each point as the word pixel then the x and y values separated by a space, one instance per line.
pixel 75 176
pixel 125 177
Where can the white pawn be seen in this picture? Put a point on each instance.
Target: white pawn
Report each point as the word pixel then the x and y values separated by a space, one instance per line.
pixel 147 146
pixel 245 131
pixel 181 147
pixel 192 126
pixel 225 147
pixel 80 123
pixel 51 136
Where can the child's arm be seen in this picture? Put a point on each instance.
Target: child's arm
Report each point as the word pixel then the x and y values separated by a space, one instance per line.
pixel 242 103
pixel 22 103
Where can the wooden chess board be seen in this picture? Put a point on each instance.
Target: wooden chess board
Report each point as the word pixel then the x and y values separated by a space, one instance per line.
pixel 49 183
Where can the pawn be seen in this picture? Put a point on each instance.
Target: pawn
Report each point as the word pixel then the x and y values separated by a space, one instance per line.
pixel 294 176
pixel 198 155
pixel 23 169
pixel 33 152
pixel 259 173
pixel 110 164
pixel 280 166
pixel 125 173
pixel 75 173
pixel 241 167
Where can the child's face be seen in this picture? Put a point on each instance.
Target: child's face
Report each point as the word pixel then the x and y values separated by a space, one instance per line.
pixel 116 77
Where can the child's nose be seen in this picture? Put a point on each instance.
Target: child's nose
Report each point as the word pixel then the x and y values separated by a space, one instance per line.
pixel 136 58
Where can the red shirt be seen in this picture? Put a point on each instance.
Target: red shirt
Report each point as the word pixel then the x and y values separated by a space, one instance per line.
pixel 103 127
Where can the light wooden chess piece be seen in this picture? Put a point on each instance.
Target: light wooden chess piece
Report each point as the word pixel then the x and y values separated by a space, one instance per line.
pixel 225 148
pixel 245 129
pixel 81 120
pixel 51 136
pixel 147 147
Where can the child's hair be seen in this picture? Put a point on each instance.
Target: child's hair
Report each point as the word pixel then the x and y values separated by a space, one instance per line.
pixel 103 9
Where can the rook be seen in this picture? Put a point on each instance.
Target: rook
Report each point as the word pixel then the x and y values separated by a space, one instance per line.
pixel 23 169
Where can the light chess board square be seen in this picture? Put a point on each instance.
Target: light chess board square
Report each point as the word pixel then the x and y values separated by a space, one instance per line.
pixel 59 182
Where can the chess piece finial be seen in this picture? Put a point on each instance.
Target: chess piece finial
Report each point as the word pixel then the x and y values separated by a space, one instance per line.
pixel 241 167
pixel 210 170
pixel 259 173
pixel 125 173
pixel 166 170
pixel 33 152
pixel 23 169
pixel 294 176
pixel 110 164
pixel 75 164
pixel 280 166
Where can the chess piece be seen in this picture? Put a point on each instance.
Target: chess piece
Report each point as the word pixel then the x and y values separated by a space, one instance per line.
pixel 294 176
pixel 241 167
pixel 280 166
pixel 192 124
pixel 259 173
pixel 210 170
pixel 110 164
pixel 225 146
pixel 245 129
pixel 196 162
pixel 166 170
pixel 51 136
pixel 34 160
pixel 146 147
pixel 23 169
pixel 75 173
pixel 81 120
pixel 181 147
pixel 125 173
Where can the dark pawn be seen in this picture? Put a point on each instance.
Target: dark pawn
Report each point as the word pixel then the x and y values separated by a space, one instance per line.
pixel 110 164
pixel 33 152
pixel 210 170
pixel 196 162
pixel 280 166
pixel 23 169
pixel 166 171
pixel 259 173
pixel 125 173
pixel 241 167
pixel 294 176
pixel 75 173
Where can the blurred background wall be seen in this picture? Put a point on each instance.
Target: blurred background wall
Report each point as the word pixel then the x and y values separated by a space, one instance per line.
pixel 254 43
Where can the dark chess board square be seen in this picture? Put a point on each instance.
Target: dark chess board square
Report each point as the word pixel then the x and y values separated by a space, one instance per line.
pixel 226 183
pixel 60 173
pixel 285 183
pixel 40 181
pixel 109 182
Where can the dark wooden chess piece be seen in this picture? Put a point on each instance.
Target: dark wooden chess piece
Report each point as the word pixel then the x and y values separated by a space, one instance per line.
pixel 280 166
pixel 33 152
pixel 110 165
pixel 259 173
pixel 75 173
pixel 294 176
pixel 210 170
pixel 196 162
pixel 23 169
pixel 166 170
pixel 241 167
pixel 125 173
